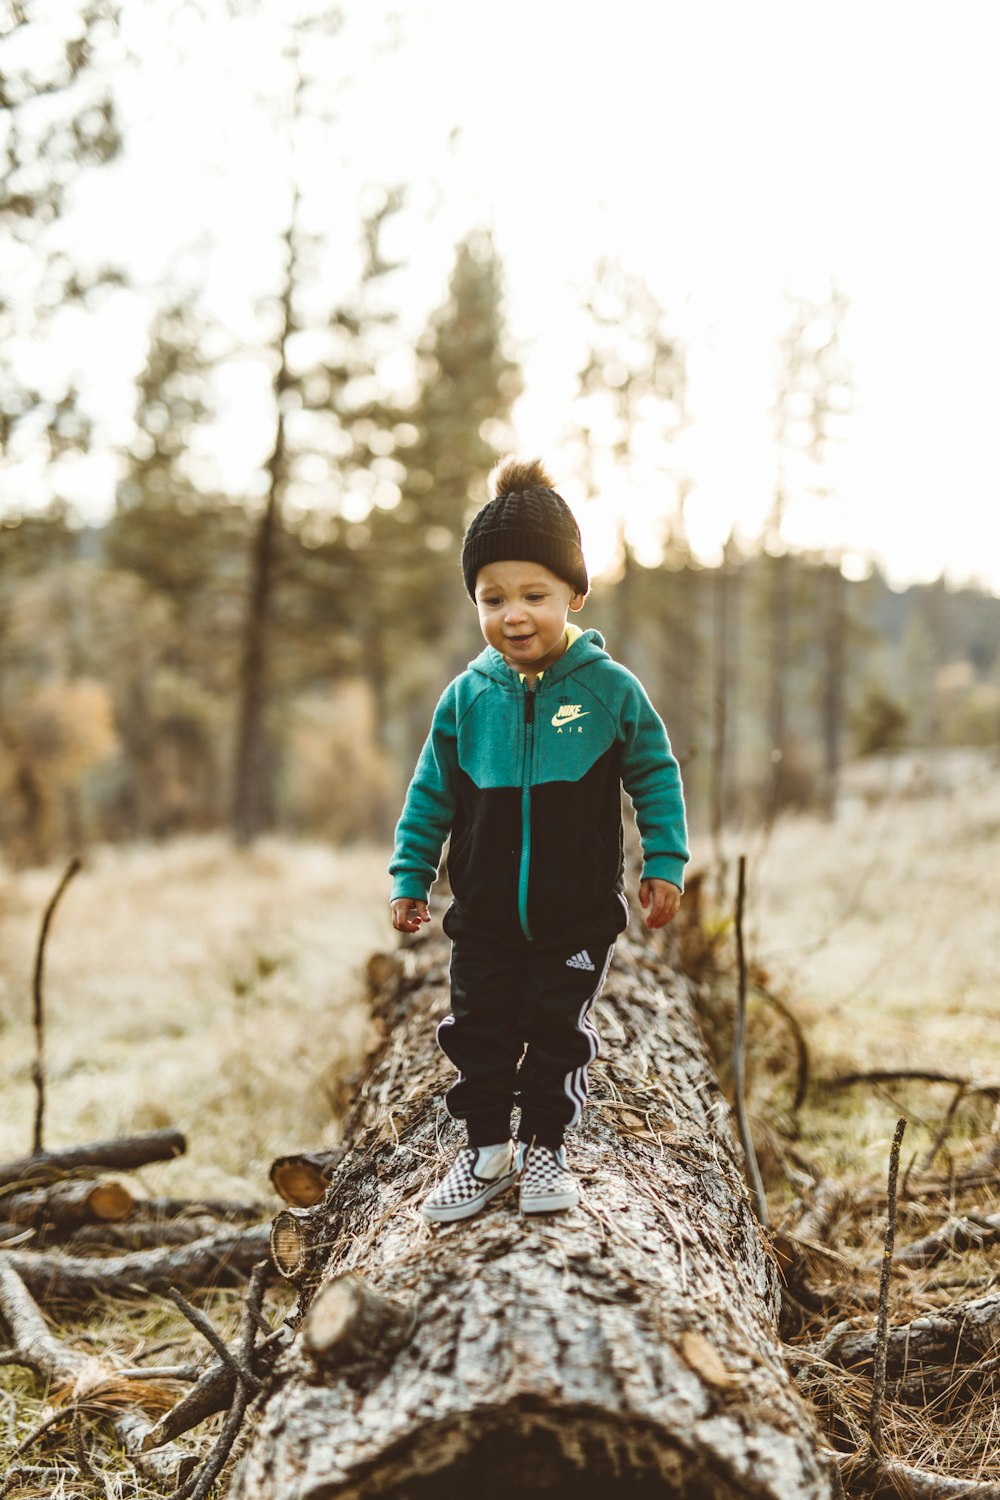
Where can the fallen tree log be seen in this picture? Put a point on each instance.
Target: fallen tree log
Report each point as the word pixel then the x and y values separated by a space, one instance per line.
pixel 960 1233
pixel 121 1155
pixel 140 1234
pixel 630 1344
pixel 208 1261
pixel 68 1205
pixel 965 1334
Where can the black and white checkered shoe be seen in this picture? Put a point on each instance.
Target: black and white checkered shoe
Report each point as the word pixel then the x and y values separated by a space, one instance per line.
pixel 547 1184
pixel 475 1177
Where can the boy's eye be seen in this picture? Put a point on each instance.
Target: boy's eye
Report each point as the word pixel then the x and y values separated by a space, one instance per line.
pixel 535 598
pixel 491 603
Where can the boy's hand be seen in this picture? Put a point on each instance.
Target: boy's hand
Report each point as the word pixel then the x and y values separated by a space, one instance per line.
pixel 663 899
pixel 408 914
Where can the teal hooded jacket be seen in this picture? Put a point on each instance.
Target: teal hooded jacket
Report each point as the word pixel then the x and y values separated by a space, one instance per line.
pixel 527 782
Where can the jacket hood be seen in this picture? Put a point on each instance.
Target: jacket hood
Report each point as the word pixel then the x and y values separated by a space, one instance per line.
pixel 588 647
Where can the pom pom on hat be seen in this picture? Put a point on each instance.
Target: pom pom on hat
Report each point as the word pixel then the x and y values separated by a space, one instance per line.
pixel 526 521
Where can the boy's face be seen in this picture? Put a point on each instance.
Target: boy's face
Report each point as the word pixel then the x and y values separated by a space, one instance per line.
pixel 522 612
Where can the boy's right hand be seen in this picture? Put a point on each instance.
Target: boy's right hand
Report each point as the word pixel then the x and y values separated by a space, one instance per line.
pixel 408 915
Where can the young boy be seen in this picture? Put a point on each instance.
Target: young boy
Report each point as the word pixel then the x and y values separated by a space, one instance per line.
pixel 523 767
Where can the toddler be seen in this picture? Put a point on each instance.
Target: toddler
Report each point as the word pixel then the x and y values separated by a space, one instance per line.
pixel 523 768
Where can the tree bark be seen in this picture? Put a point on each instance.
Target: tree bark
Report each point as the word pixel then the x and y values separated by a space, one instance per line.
pixel 628 1347
pixel 215 1208
pixel 964 1334
pixel 140 1234
pixel 251 800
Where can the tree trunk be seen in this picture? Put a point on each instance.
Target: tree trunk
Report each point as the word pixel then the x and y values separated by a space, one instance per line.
pixel 780 605
pixel 834 684
pixel 251 802
pixel 726 582
pixel 628 1347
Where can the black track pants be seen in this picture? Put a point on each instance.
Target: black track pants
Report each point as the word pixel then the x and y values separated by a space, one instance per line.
pixel 519 1027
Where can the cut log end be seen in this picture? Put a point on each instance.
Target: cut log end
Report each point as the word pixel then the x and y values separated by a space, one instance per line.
pixel 303 1179
pixel 111 1202
pixel 289 1244
pixel 350 1323
pixel 67 1205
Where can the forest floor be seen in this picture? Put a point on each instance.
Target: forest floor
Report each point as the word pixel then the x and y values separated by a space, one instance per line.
pixel 197 986
pixel 222 991
pixel 882 932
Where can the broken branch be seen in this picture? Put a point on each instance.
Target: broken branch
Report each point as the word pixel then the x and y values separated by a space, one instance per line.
pixel 35 1346
pixel 38 1005
pixel 881 1335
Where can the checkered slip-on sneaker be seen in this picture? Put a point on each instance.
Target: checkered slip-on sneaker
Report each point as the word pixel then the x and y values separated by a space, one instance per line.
pixel 475 1177
pixel 547 1184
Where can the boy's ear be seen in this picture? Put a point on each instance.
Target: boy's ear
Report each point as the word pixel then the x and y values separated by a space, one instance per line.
pixel 577 602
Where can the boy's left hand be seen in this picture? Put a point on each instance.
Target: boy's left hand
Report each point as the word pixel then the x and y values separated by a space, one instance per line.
pixel 663 899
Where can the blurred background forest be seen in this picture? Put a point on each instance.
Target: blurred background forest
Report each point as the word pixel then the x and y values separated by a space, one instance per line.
pixel 203 655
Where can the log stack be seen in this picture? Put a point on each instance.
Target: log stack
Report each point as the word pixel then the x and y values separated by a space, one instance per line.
pixel 628 1347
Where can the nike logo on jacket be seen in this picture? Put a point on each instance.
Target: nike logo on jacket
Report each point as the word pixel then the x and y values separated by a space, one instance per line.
pixel 534 813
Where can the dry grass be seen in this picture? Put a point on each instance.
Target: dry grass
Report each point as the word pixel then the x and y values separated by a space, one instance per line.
pixel 894 912
pixel 881 933
pixel 882 930
pixel 197 986
pixel 189 985
pixel 221 992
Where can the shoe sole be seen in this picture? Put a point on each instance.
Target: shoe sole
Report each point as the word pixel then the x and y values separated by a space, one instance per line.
pixel 550 1204
pixel 452 1212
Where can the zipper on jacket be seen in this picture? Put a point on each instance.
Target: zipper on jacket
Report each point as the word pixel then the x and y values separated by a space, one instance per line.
pixel 529 741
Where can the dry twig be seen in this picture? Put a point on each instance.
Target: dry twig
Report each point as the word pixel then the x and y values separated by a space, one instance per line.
pixel 882 1345
pixel 38 1004
pixel 739 1055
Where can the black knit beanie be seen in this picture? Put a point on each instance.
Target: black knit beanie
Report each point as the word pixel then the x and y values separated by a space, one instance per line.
pixel 526 521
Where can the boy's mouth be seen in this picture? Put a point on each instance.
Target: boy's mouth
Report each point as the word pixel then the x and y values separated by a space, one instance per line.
pixel 519 640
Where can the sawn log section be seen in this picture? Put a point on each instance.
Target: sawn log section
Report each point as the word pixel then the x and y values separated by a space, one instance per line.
pixel 627 1348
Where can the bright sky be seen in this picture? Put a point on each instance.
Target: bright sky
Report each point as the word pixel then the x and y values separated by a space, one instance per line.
pixel 731 154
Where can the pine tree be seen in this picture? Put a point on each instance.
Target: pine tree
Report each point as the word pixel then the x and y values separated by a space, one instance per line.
pixel 337 416
pixel 447 442
pixel 184 549
pixel 166 528
pixel 321 401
